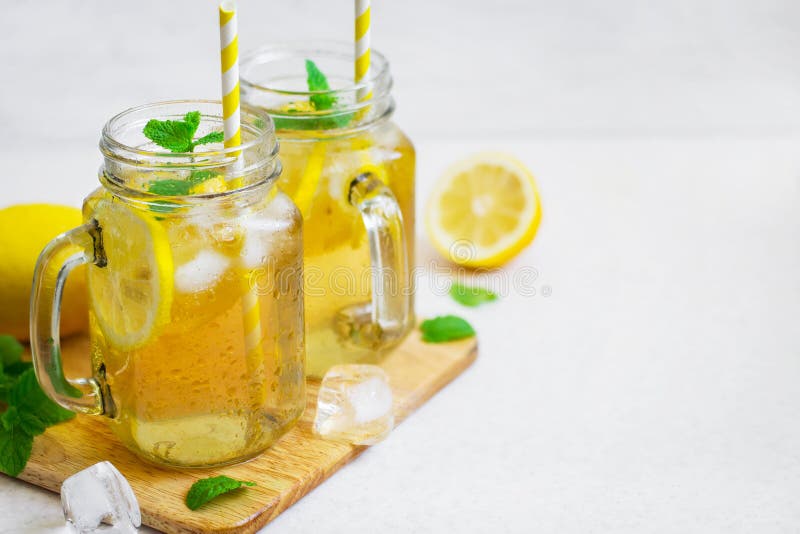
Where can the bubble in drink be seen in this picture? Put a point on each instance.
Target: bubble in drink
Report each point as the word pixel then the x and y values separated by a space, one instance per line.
pixel 201 272
pixel 99 499
pixel 355 405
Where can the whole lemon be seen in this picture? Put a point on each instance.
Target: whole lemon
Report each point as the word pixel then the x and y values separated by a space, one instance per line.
pixel 24 231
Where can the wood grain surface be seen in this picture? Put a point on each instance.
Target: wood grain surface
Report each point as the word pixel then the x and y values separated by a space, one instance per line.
pixel 295 465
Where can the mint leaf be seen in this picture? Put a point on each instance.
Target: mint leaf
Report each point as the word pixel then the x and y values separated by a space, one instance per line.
pixel 471 296
pixel 175 188
pixel 10 350
pixel 170 187
pixel 445 328
pixel 213 137
pixel 175 136
pixel 16 369
pixel 28 397
pixel 29 413
pixel 28 422
pixel 318 82
pixel 316 123
pixel 192 119
pixel 9 418
pixel 6 383
pixel 15 449
pixel 163 206
pixel 207 489
pixel 201 176
pixel 9 358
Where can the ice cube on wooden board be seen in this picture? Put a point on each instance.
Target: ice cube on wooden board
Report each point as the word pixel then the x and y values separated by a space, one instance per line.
pixel 354 405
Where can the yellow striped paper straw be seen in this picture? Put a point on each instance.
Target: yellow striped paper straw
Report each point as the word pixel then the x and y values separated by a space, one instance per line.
pixel 229 54
pixel 362 58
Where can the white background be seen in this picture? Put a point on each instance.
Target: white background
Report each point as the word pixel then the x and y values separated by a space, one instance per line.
pixel 658 388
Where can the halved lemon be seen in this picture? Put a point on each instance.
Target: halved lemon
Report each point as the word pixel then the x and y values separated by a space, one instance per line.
pixel 484 210
pixel 132 294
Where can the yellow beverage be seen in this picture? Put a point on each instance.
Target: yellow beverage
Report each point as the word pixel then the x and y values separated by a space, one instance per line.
pixel 350 170
pixel 337 254
pixel 191 394
pixel 195 295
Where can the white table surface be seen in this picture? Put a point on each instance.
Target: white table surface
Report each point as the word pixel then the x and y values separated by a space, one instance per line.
pixel 657 387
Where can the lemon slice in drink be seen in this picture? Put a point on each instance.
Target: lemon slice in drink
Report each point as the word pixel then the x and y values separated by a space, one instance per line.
pixel 484 210
pixel 132 295
pixel 212 185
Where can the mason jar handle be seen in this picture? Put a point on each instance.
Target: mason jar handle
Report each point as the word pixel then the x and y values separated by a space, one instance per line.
pixel 59 257
pixel 391 297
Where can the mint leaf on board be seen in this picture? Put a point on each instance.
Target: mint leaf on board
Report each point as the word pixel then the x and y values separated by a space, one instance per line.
pixel 28 422
pixel 10 350
pixel 6 383
pixel 27 396
pixel 15 449
pixel 28 414
pixel 471 296
pixel 208 489
pixel 177 136
pixel 16 369
pixel 445 328
pixel 9 375
pixel 9 418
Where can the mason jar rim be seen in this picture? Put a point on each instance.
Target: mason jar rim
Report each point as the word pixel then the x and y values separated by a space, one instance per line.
pixel 113 148
pixel 378 71
pixel 271 74
pixel 255 161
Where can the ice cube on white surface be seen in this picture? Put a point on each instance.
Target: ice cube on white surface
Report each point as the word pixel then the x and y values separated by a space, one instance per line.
pixel 99 499
pixel 201 272
pixel 355 405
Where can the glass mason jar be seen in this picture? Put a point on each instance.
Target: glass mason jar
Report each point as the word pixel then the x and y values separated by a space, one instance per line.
pixel 195 293
pixel 350 170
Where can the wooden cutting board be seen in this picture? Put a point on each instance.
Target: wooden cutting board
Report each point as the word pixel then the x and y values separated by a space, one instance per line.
pixel 293 466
